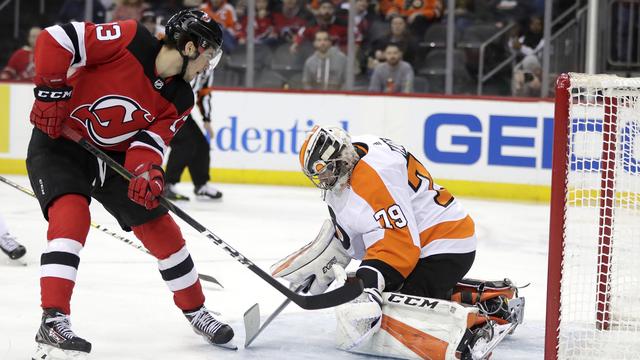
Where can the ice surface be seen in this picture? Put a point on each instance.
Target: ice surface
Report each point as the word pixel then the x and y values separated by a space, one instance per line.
pixel 124 308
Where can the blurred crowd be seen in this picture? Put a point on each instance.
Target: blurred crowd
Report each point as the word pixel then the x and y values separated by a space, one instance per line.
pixel 302 44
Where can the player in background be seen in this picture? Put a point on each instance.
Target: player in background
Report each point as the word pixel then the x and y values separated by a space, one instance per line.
pixel 8 243
pixel 190 147
pixel 128 93
pixel 412 235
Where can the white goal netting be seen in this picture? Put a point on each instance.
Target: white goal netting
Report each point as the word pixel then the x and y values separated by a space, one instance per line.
pixel 600 286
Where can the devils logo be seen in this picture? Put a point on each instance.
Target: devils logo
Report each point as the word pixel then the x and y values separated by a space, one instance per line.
pixel 112 119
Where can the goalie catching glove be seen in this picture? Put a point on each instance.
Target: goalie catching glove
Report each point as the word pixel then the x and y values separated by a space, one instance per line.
pixel 321 262
pixel 360 319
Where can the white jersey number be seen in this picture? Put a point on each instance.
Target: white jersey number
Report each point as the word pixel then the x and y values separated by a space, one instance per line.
pixel 393 213
pixel 106 32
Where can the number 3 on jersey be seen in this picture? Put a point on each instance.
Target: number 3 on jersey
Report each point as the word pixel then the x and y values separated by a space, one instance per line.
pixel 417 172
pixel 106 32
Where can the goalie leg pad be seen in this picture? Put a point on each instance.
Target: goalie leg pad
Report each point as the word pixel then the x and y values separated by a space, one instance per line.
pixel 414 327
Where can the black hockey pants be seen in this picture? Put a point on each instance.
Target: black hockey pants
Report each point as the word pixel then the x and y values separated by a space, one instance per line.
pixel 189 148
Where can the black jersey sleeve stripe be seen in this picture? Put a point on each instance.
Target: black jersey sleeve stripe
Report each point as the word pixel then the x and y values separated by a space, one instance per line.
pixel 179 270
pixel 148 140
pixel 73 36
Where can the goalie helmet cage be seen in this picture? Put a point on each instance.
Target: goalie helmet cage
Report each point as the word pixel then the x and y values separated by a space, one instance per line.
pixel 593 288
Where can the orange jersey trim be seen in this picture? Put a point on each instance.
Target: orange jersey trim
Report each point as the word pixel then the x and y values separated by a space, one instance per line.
pixel 396 248
pixel 421 343
pixel 459 229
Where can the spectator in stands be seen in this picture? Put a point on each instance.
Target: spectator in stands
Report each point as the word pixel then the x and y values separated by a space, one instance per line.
pixel 20 65
pixel 129 9
pixel 326 68
pixel 502 12
pixel 530 41
pixel 363 19
pixel 418 13
pixel 527 79
pixel 394 75
pixel 225 15
pixel 264 29
pixel 289 18
pixel 325 20
pixel 165 8
pixel 73 10
pixel 398 35
pixel 149 20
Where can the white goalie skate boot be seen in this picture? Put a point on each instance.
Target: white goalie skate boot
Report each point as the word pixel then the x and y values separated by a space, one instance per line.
pixel 56 340
pixel 213 331
pixel 11 247
pixel 207 191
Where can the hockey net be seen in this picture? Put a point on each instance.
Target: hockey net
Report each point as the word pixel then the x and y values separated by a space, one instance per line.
pixel 593 297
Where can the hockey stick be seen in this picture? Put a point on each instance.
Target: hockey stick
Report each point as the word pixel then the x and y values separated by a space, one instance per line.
pixel 252 327
pixel 333 298
pixel 27 191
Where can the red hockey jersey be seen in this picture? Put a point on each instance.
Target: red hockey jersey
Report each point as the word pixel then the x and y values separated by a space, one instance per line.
pixel 119 102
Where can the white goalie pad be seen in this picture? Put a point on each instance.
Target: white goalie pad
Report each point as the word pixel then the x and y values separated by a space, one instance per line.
pixel 412 327
pixel 317 260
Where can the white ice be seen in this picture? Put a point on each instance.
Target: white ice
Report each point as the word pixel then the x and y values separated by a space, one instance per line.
pixel 123 307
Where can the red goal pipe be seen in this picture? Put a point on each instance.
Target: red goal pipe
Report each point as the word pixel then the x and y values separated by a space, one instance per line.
pixel 557 216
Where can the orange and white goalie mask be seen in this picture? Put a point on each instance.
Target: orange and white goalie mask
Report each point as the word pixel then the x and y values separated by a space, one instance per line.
pixel 327 157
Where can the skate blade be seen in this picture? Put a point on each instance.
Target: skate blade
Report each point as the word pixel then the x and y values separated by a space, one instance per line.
pixel 48 352
pixel 228 346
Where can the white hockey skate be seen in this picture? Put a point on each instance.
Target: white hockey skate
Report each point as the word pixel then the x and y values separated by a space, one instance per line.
pixel 213 331
pixel 207 192
pixel 11 247
pixel 56 340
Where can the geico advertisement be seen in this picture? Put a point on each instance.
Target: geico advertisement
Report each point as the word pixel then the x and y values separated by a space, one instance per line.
pixel 495 141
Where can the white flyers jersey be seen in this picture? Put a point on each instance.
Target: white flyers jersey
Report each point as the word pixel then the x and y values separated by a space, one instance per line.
pixel 393 211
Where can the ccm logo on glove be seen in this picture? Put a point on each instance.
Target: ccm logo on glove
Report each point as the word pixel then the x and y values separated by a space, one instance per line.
pixel 52 94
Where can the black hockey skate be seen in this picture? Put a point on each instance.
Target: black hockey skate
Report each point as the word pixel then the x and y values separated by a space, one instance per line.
pixel 56 340
pixel 213 331
pixel 207 192
pixel 11 247
pixel 171 194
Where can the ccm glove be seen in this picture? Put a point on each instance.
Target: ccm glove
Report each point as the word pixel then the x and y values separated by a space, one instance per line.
pixel 50 108
pixel 147 185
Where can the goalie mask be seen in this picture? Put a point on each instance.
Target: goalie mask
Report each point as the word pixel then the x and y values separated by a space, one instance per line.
pixel 327 157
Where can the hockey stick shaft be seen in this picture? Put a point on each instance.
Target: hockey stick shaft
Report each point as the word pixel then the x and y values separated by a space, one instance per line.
pixel 129 242
pixel 336 297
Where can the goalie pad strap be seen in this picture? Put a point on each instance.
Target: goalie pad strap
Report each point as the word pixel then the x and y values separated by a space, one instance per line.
pixel 392 277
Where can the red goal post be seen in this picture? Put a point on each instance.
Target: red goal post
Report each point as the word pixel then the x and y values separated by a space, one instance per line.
pixel 593 283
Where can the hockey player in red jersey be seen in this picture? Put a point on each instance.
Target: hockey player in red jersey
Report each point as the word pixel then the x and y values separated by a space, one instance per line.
pixel 128 93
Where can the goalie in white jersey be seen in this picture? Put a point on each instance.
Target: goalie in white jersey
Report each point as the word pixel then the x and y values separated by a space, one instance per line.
pixel 413 237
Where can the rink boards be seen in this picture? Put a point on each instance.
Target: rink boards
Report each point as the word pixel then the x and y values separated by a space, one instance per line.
pixel 486 147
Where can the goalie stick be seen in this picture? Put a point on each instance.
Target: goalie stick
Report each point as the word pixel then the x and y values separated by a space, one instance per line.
pixel 333 298
pixel 252 327
pixel 203 277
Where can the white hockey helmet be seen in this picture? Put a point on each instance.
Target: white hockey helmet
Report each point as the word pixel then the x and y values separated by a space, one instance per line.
pixel 327 157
